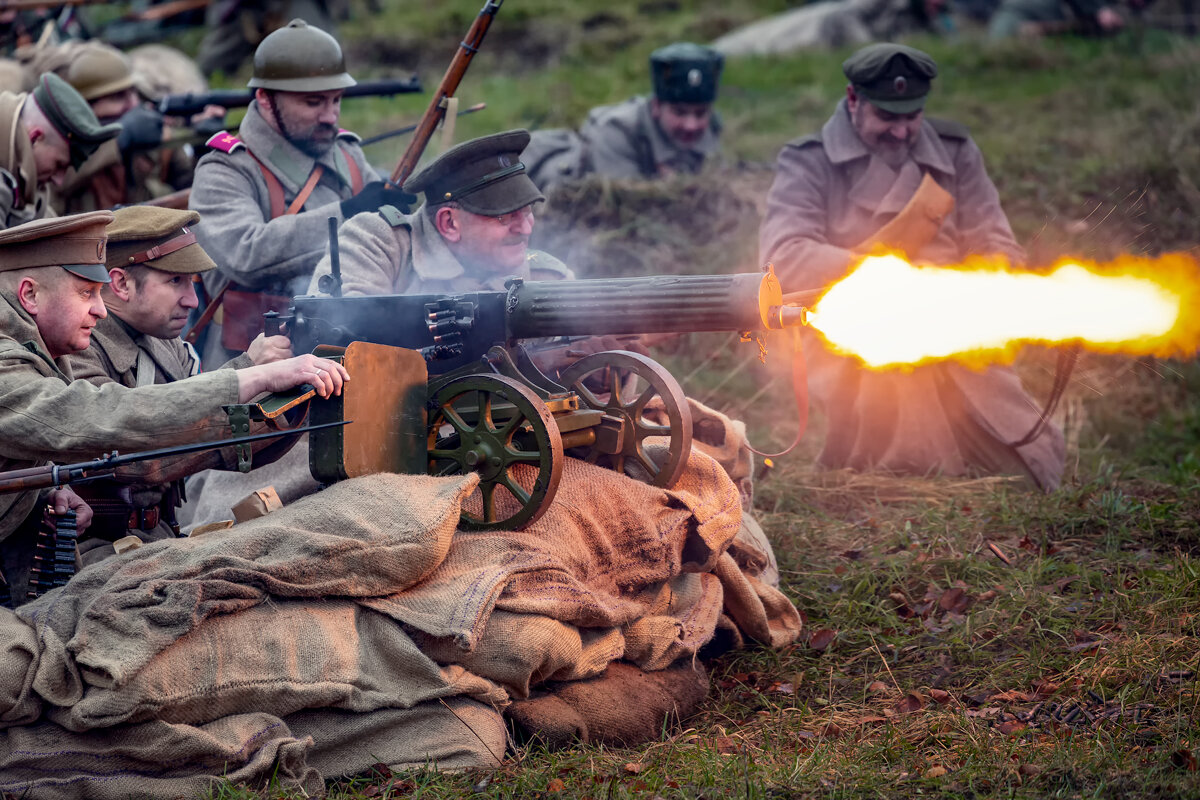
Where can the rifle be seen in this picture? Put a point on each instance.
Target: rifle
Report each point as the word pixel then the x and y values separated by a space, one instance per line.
pixel 379 137
pixel 436 111
pixel 45 477
pixel 186 105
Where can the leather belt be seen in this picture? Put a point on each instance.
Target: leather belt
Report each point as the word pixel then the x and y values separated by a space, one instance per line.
pixel 143 519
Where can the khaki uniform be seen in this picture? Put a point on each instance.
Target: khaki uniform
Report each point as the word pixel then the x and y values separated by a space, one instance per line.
pixel 47 416
pixel 393 253
pixel 103 182
pixel 271 255
pixel 617 141
pixel 117 354
pixel 829 195
pixel 20 200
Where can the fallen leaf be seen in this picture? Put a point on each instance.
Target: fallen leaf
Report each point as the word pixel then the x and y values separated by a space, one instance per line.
pixel 725 746
pixel 372 791
pixel 1010 727
pixel 990 594
pixel 634 768
pixel 1084 646
pixel 1027 544
pixel 555 785
pixel 380 770
pixel 1029 770
pixel 1185 760
pixel 1012 696
pixel 877 687
pixel 909 703
pixel 936 772
pixel 940 696
pixel 821 639
pixel 869 719
pixel 853 555
pixel 831 731
pixel 953 600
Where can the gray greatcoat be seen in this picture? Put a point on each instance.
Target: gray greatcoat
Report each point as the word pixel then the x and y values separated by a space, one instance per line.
pixel 393 253
pixel 829 195
pixel 617 141
pixel 230 192
pixel 20 199
pixel 47 416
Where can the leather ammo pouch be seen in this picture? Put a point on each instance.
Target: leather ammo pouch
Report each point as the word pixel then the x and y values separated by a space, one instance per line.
pixel 917 223
pixel 242 315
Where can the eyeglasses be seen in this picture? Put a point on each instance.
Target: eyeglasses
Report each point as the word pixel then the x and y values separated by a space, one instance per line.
pixel 520 215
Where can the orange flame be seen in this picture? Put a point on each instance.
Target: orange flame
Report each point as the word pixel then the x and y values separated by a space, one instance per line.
pixel 888 312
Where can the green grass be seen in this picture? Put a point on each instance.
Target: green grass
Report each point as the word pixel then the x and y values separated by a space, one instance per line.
pixel 1093 147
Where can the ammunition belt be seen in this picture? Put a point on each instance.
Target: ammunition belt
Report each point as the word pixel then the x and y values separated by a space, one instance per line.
pixel 54 555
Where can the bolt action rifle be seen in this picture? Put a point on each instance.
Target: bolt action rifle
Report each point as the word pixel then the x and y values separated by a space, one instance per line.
pixel 186 105
pixel 50 475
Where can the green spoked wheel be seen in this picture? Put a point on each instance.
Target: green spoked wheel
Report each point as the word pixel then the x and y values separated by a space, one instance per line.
pixel 640 400
pixel 498 428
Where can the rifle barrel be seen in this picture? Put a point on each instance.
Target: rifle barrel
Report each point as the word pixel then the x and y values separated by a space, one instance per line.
pixel 185 105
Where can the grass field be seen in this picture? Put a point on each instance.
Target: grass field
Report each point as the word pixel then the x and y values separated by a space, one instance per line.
pixel 968 638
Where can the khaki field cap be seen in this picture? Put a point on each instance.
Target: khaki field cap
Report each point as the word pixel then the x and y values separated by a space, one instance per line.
pixel 72 117
pixel 891 76
pixel 160 238
pixel 300 58
pixel 686 73
pixel 98 71
pixel 75 243
pixel 485 176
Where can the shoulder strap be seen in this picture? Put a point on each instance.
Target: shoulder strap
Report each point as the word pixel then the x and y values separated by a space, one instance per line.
pixel 356 178
pixel 145 369
pixel 275 189
pixel 949 129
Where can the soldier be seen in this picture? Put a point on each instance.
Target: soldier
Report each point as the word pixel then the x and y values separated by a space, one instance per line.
pixel 51 272
pixel 880 162
pixel 41 134
pixel 675 131
pixel 121 171
pixel 265 197
pixel 471 234
pixel 152 259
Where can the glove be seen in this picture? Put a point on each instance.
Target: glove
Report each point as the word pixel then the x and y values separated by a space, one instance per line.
pixel 141 129
pixel 376 195
pixel 209 127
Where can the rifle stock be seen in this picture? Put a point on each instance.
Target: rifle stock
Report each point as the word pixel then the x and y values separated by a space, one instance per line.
pixel 467 48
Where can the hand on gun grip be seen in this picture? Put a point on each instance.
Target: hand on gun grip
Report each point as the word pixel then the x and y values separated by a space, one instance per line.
pixel 376 195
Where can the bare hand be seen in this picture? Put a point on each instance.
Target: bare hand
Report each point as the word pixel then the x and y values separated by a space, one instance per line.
pixel 324 375
pixel 268 349
pixel 64 499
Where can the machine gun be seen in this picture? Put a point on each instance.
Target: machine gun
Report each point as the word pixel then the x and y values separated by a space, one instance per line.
pixel 186 105
pixel 450 384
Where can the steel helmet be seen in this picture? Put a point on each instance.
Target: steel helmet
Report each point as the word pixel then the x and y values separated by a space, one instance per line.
pixel 300 58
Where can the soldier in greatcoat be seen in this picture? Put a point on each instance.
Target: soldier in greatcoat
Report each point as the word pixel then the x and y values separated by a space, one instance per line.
pixel 152 259
pixel 42 134
pixel 880 162
pixel 266 194
pixel 673 131
pixel 51 274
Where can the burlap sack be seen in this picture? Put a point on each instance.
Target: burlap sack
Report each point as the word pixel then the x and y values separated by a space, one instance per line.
pixel 279 658
pixel 367 537
pixel 155 759
pixel 19 650
pixel 624 707
pixel 450 734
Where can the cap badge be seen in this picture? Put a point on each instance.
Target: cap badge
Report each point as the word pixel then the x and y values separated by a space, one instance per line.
pixel 505 160
pixel 900 84
pixel 694 78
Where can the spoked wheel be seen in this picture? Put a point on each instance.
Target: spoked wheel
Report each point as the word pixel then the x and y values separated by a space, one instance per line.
pixel 497 427
pixel 632 383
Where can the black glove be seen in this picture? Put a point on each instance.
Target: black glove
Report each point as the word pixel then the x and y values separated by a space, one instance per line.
pixel 209 127
pixel 141 129
pixel 376 195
